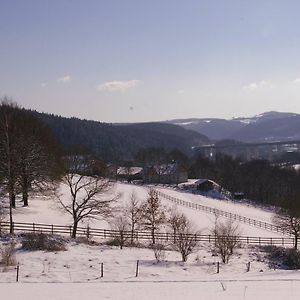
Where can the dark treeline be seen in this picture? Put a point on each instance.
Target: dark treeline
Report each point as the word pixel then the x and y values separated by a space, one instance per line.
pixel 262 181
pixel 259 180
pixel 112 143
pixel 29 155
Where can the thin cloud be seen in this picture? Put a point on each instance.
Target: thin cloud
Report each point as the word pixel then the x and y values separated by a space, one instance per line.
pixel 297 80
pixel 257 85
pixel 117 86
pixel 181 92
pixel 43 84
pixel 66 78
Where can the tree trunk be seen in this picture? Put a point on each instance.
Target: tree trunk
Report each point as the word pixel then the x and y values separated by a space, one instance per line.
pixel 74 230
pixel 131 235
pixel 11 193
pixel 296 241
pixel 11 224
pixel 24 190
pixel 153 235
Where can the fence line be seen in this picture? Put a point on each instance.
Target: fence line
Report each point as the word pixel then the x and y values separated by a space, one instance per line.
pixel 89 232
pixel 226 214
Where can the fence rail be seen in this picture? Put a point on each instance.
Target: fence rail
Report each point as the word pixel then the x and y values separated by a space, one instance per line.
pixel 89 232
pixel 226 214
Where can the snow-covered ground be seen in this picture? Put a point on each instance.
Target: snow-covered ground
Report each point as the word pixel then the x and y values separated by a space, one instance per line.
pixel 250 290
pixel 47 210
pixel 79 267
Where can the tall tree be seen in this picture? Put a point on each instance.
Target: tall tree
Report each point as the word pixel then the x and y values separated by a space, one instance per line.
pixel 39 157
pixel 153 214
pixel 90 196
pixel 9 152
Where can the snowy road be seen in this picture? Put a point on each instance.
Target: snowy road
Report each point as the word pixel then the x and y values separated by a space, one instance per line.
pixel 258 290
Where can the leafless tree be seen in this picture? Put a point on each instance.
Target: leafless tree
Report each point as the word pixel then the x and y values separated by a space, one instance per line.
pixel 176 221
pixel 185 240
pixel 289 221
pixel 153 214
pixel 121 226
pixel 90 196
pixel 39 159
pixel 9 152
pixel 133 213
pixel 226 239
pixel 8 254
pixel 159 251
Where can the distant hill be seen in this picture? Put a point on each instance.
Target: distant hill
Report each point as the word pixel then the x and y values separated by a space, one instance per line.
pixel 110 142
pixel 269 126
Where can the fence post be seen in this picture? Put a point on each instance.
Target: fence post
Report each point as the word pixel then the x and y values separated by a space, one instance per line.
pixel 218 267
pixel 137 269
pixel 33 227
pixel 17 277
pixel 52 230
pixel 248 266
pixel 101 270
pixel 70 228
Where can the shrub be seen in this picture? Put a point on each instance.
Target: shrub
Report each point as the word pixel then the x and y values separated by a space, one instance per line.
pixel 159 252
pixel 284 258
pixel 40 241
pixel 7 252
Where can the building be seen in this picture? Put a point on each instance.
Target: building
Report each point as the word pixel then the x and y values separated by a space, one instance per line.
pixel 166 174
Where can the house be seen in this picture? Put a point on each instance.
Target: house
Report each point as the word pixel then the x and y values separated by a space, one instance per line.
pixel 130 173
pixel 206 187
pixel 166 174
pixel 203 185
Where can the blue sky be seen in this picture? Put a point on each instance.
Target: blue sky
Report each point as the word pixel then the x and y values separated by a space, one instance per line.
pixel 120 61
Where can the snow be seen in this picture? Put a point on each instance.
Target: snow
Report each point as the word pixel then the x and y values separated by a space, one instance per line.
pixel 75 273
pixel 258 290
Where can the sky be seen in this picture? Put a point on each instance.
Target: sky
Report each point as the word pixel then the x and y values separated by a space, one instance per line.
pixel 140 60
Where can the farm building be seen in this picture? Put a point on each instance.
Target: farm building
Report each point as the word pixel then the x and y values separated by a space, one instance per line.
pixel 130 173
pixel 166 174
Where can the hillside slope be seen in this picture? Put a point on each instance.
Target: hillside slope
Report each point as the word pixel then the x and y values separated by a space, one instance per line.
pixel 110 142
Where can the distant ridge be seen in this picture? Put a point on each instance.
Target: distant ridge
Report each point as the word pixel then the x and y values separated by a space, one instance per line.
pixel 268 126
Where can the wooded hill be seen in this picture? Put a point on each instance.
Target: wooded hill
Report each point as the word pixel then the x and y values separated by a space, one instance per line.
pixel 111 142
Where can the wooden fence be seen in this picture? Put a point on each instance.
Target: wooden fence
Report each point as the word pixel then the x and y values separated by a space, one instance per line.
pixel 140 236
pixel 226 214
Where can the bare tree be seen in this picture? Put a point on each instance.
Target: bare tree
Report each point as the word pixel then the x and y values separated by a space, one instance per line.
pixel 9 150
pixel 226 239
pixel 159 251
pixel 91 196
pixel 289 221
pixel 38 160
pixel 176 221
pixel 133 213
pixel 153 215
pixel 121 226
pixel 185 240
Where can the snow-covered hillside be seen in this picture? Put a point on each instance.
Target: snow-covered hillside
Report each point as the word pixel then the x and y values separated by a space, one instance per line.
pixel 48 211
pixel 197 278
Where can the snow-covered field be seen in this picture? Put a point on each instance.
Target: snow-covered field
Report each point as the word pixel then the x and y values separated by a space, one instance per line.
pixel 45 210
pixel 236 290
pixel 75 273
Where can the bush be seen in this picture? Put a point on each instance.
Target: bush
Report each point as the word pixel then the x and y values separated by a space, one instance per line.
pixel 7 252
pixel 284 258
pixel 40 241
pixel 159 252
